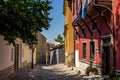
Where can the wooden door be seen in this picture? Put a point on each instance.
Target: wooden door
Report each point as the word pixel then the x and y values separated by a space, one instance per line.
pixel 106 60
pixel 16 57
pixel 107 57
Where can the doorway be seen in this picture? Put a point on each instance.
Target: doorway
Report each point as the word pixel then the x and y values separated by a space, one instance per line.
pixel 16 57
pixel 106 60
pixel 107 57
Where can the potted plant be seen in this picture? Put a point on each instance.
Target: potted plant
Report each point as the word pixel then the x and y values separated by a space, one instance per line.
pixel 91 70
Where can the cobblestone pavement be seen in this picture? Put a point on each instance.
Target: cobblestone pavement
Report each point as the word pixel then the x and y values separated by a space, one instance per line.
pixel 49 72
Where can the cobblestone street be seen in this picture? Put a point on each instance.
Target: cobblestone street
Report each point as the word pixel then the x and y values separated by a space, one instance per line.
pixel 49 72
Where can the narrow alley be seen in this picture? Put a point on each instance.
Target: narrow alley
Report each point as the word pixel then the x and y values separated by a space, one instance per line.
pixel 60 40
pixel 50 72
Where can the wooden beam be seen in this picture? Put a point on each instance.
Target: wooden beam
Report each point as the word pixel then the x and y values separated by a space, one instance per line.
pixel 79 26
pixel 93 23
pixel 75 21
pixel 77 32
pixel 103 17
pixel 94 7
pixel 87 27
pixel 81 29
pixel 107 23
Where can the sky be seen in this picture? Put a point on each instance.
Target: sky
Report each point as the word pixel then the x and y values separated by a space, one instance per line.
pixel 57 24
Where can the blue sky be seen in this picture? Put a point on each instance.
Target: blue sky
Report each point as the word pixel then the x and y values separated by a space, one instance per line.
pixel 57 24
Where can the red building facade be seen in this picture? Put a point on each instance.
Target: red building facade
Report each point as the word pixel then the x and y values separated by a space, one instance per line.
pixel 116 12
pixel 97 33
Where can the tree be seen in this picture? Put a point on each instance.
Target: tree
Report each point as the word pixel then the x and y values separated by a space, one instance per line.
pixel 60 39
pixel 22 18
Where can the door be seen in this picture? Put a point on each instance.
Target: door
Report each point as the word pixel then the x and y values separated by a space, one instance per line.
pixel 106 60
pixel 107 57
pixel 16 57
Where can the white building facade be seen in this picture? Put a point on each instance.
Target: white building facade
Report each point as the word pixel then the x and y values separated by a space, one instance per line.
pixel 13 57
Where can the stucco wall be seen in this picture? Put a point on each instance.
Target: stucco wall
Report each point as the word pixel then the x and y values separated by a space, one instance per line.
pixel 69 34
pixel 116 12
pixel 57 56
pixel 7 53
pixel 6 56
pixel 40 49
pixel 27 53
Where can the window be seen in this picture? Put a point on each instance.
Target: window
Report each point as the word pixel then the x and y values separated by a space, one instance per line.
pixel 76 5
pixel 94 26
pixel 83 32
pixel 92 50
pixel 84 50
pixel 73 7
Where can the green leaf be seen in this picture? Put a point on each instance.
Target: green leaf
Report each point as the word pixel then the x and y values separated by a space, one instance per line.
pixel 22 18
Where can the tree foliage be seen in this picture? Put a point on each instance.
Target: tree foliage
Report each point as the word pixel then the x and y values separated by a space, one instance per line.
pixel 22 18
pixel 60 39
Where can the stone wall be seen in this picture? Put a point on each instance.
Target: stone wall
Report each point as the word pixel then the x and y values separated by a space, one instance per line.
pixel 25 64
pixel 6 72
pixel 84 65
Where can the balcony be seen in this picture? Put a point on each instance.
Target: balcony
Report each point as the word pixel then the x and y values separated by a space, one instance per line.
pixel 95 8
pixel 101 5
pixel 107 3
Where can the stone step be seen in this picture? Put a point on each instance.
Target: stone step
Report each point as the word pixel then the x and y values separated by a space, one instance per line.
pixel 93 77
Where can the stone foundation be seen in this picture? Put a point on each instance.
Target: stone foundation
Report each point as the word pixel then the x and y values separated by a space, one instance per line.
pixel 6 72
pixel 84 65
pixel 25 64
pixel 70 60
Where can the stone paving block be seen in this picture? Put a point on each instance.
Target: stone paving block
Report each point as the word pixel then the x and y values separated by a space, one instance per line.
pixel 51 72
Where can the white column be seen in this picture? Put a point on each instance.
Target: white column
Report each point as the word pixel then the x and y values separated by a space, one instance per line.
pixel 76 58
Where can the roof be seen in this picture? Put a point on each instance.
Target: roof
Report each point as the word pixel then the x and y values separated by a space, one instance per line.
pixel 57 46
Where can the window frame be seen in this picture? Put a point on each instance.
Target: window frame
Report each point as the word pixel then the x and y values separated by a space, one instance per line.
pixel 92 56
pixel 84 51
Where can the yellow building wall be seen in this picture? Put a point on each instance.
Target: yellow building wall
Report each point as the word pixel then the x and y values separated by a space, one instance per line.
pixel 40 50
pixel 69 34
